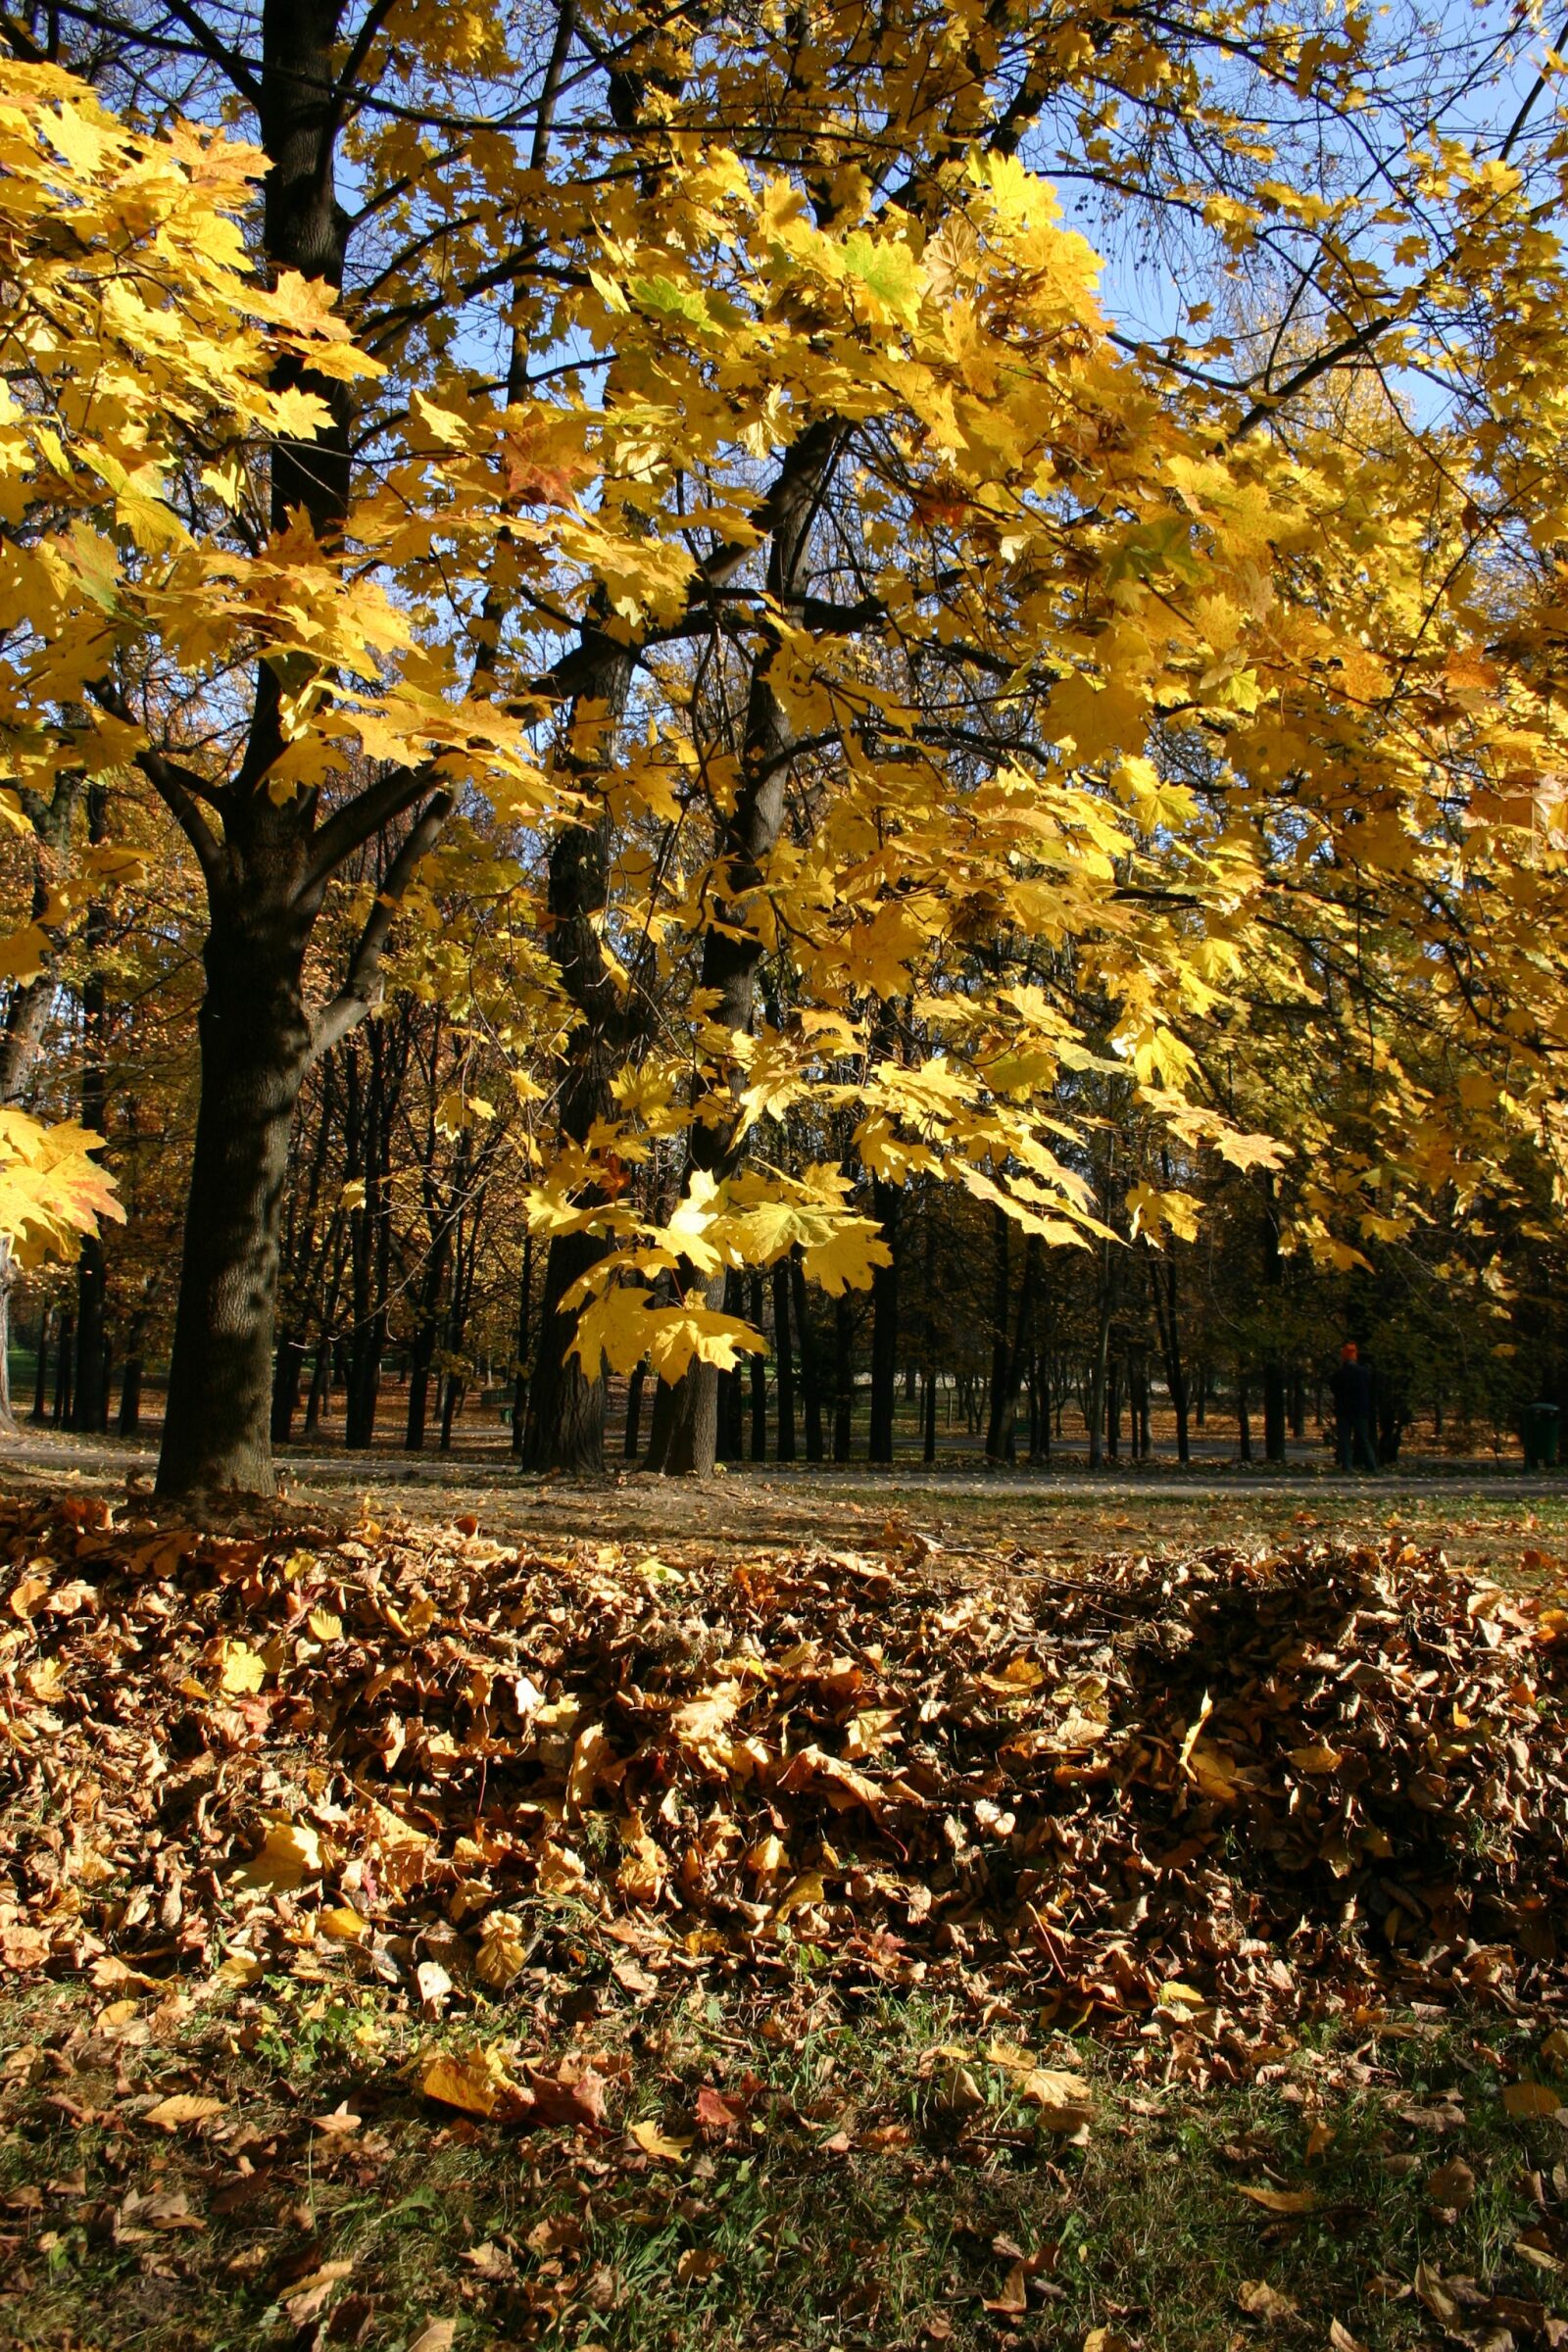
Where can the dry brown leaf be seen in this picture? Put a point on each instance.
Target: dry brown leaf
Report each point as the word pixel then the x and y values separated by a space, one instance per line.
pixel 477 2082
pixel 291 1853
pixel 436 2335
pixel 1279 2200
pixel 1260 2301
pixel 1434 2294
pixel 182 2109
pixel 1065 2100
pixel 501 1950
pixel 1452 2186
pixel 1522 2099
pixel 1013 2298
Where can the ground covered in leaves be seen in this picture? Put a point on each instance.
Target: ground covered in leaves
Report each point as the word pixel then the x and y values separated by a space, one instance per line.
pixel 412 1941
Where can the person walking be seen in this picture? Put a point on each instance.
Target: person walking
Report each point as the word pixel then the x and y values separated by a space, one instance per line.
pixel 1351 1390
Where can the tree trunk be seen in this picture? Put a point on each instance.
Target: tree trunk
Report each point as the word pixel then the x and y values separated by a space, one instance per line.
pixel 685 1435
pixel 1001 1291
pixel 731 1401
pixel 90 1405
pixel 287 1373
pixel 320 1385
pixel 732 941
pixel 1095 1415
pixel 1167 1320
pixel 421 1356
pixel 1001 1435
pixel 65 1363
pixel 565 1409
pixel 1274 1363
pixel 759 1378
pixel 8 1418
pixel 40 1374
pixel 634 1409
pixel 885 1203
pixel 255 1042
pixel 784 1446
pixel 1243 1423
pixel 842 1376
pixel 520 1378
pixel 129 1422
pixel 810 1361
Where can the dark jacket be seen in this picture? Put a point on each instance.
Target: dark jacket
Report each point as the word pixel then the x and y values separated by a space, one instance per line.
pixel 1351 1391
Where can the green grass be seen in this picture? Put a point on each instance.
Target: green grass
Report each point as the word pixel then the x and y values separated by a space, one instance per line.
pixel 853 2205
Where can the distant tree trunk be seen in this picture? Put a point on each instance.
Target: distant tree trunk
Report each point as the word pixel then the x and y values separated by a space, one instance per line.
pixel 7 1419
pixel 634 1410
pixel 65 1361
pixel 1242 1419
pixel 1000 1291
pixel 40 1375
pixel 1001 1433
pixel 1113 1410
pixel 1168 1321
pixel 1095 1415
pixel 1274 1365
pixel 90 1401
pixel 287 1373
pixel 885 1201
pixel 784 1447
pixel 810 1361
pixel 1297 1402
pixel 731 1392
pixel 520 1378
pixel 759 1378
pixel 1137 1402
pixel 928 1340
pixel 1202 1412
pixel 421 1362
pixel 129 1422
pixel 842 1376
pixel 320 1386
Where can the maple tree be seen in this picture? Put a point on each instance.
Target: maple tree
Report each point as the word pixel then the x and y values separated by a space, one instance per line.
pixel 883 701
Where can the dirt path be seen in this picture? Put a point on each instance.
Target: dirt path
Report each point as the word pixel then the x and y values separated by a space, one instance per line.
pixel 1481 1516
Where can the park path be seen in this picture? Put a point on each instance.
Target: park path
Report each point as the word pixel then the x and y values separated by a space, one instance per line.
pixel 1478 1511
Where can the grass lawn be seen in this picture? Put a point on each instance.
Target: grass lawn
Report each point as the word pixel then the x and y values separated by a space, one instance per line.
pixel 1060 1934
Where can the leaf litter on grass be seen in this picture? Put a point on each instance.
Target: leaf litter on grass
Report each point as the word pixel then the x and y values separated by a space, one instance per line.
pixel 1187 1806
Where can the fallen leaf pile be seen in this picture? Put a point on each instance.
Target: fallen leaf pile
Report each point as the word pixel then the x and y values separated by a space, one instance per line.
pixel 1185 1796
